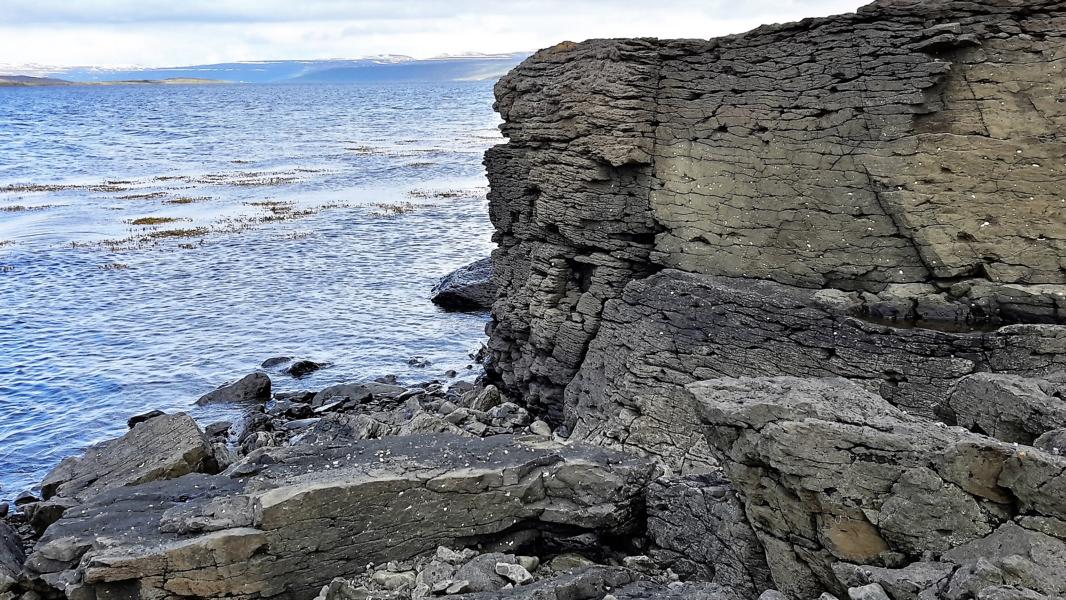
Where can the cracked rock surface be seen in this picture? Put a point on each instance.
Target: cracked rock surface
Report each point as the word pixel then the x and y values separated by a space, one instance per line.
pixel 311 513
pixel 831 475
pixel 905 161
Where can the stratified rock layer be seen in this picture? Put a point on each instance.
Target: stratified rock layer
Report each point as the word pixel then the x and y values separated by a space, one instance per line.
pixel 908 159
pixel 309 513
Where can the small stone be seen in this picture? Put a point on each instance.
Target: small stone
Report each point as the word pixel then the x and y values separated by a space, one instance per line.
pixel 254 387
pixel 394 580
pixel 275 361
pixel 872 591
pixel 488 398
pixel 451 374
pixel 541 428
pixel 569 562
pixel 455 558
pixel 529 563
pixel 517 574
pixel 772 595
pixel 458 587
pixel 4 509
pixel 25 498
pixel 419 362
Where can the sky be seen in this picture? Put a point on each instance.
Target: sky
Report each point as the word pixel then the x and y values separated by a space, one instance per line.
pixel 153 33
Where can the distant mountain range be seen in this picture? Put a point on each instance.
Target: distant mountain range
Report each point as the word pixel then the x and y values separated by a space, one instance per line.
pixel 388 68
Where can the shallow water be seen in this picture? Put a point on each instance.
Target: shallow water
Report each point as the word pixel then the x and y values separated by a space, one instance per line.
pixel 311 221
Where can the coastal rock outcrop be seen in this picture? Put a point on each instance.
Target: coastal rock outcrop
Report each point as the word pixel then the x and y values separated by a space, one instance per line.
pixel 467 288
pixel 876 196
pixel 832 476
pixel 309 513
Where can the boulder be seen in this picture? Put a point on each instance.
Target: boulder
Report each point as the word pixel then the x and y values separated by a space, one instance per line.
pixel 1008 407
pixel 467 288
pixel 11 557
pixel 164 447
pixel 309 512
pixel 252 388
pixel 829 473
pixel 303 368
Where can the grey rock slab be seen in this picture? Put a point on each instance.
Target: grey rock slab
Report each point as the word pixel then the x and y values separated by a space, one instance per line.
pixel 313 511
pixel 164 447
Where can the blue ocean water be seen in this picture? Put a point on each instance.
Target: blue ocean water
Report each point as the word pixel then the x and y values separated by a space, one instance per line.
pixel 300 220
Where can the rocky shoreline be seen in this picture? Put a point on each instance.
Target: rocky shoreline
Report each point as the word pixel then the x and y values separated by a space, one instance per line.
pixel 779 315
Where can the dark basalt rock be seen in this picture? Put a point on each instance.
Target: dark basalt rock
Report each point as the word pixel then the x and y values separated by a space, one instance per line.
pixel 303 368
pixel 468 288
pixel 252 388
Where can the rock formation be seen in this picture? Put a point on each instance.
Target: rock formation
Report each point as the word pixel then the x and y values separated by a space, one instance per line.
pixel 780 315
pixel 876 196
pixel 468 288
pixel 308 513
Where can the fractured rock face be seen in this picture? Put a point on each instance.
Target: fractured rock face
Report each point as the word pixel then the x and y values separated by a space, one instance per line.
pixel 830 473
pixel 311 513
pixel 676 328
pixel 909 155
pixel 700 532
pixel 163 447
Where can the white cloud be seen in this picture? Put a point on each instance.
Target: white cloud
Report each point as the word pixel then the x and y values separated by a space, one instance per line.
pixel 129 32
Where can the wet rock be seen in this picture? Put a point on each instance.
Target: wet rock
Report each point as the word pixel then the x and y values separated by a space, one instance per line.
pixel 4 509
pixel 141 418
pixel 467 288
pixel 303 368
pixel 11 557
pixel 1007 407
pixel 26 497
pixel 379 501
pixel 218 429
pixel 419 362
pixel 276 361
pixel 252 388
pixel 165 447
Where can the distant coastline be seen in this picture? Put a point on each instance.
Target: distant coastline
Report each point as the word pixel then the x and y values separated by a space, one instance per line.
pixel 28 81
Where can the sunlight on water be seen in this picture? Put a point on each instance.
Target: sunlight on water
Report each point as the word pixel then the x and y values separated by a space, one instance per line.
pixel 158 241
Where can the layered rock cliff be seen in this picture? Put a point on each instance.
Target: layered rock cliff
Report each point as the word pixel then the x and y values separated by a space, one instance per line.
pixel 879 196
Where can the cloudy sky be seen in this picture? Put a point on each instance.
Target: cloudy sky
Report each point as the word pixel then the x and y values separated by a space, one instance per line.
pixel 184 32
